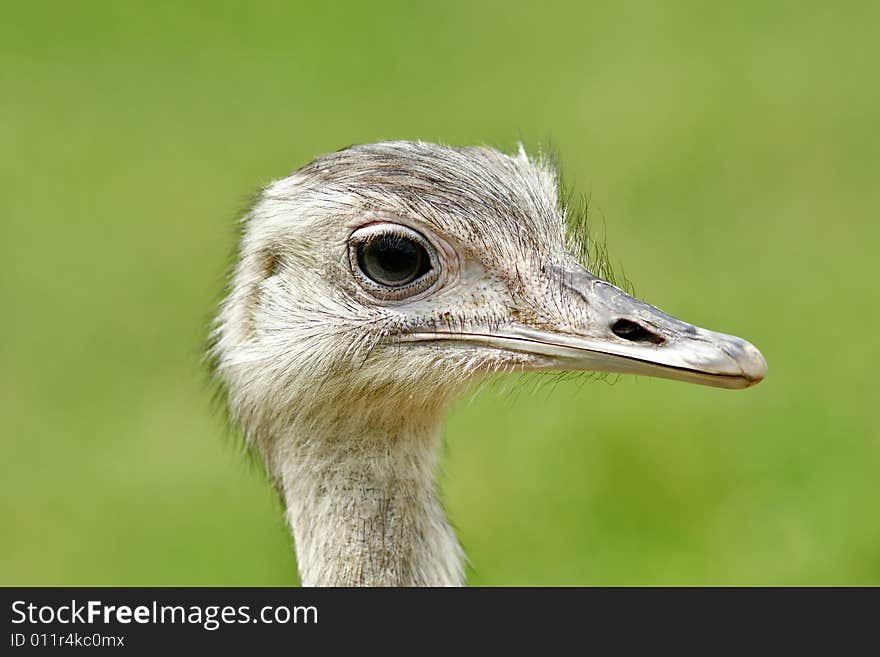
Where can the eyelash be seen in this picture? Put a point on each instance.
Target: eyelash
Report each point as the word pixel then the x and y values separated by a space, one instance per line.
pixel 418 287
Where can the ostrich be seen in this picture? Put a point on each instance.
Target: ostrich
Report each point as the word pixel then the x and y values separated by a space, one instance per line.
pixel 376 283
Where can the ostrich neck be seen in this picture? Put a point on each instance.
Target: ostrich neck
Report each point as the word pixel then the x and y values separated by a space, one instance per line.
pixel 363 507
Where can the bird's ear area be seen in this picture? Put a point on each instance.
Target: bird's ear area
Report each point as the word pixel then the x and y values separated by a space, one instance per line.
pixel 269 261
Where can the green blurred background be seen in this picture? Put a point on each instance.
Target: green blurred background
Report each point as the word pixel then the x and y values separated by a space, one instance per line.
pixel 731 149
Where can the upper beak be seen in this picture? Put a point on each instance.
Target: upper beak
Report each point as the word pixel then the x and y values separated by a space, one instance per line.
pixel 615 332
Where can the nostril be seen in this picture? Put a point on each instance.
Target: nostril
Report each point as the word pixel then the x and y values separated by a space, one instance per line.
pixel 629 330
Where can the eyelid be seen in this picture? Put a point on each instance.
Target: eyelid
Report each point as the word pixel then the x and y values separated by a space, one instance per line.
pixel 424 284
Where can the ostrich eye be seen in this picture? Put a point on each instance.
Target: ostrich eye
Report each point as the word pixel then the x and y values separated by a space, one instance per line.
pixel 393 260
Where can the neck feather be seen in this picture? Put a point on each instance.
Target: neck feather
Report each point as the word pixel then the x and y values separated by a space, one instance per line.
pixel 363 506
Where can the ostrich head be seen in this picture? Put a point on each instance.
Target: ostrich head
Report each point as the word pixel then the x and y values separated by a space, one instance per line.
pixel 373 285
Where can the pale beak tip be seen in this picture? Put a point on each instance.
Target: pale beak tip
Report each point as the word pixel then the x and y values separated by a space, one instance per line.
pixel 753 364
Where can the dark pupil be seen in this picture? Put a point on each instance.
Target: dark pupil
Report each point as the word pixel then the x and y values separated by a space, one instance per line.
pixel 393 260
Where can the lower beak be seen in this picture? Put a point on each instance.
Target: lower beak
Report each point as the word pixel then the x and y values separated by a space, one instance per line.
pixel 619 333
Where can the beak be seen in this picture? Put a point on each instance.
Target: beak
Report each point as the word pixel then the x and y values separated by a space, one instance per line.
pixel 615 332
